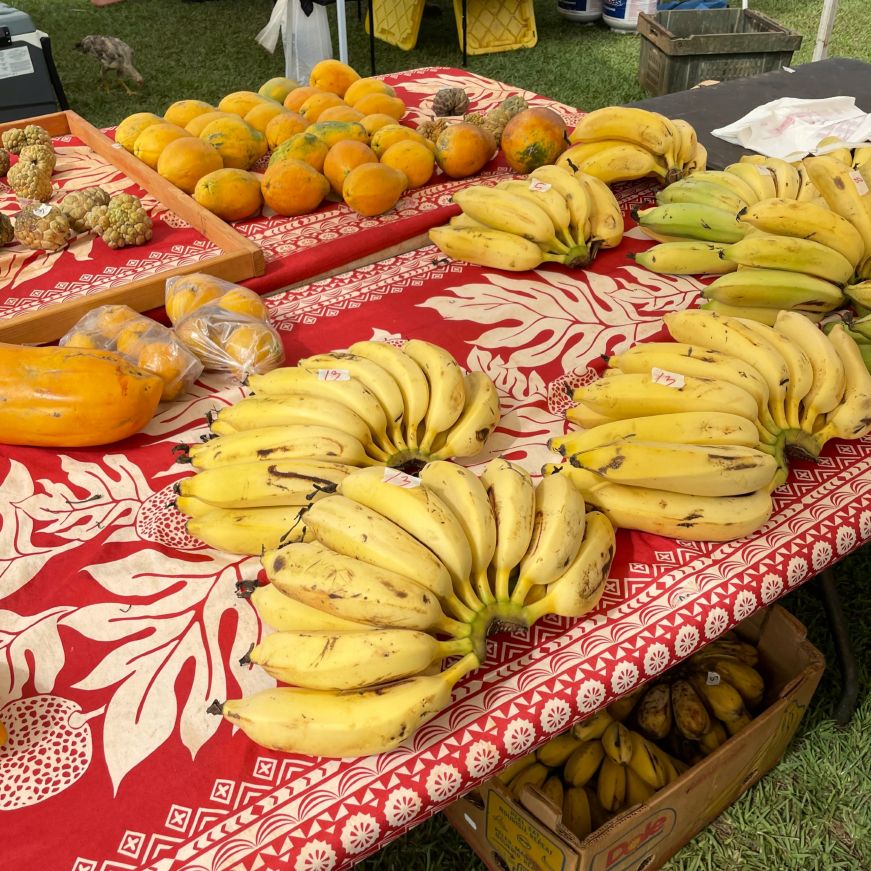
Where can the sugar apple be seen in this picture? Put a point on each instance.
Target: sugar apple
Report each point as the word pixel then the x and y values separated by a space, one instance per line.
pixel 4 161
pixel 78 204
pixel 7 231
pixel 513 104
pixel 432 128
pixel 121 223
pixel 474 118
pixel 42 227
pixel 450 101
pixel 43 155
pixel 14 139
pixel 495 121
pixel 29 180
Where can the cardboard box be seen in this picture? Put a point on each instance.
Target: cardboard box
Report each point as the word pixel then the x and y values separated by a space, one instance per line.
pixel 528 835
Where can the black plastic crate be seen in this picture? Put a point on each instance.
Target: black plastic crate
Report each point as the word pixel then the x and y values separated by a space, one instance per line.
pixel 681 49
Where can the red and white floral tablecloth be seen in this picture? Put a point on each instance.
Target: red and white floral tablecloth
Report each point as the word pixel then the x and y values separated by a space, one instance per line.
pixel 117 629
pixel 295 249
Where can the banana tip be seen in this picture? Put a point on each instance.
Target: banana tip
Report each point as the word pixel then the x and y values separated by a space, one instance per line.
pixel 244 589
pixel 216 708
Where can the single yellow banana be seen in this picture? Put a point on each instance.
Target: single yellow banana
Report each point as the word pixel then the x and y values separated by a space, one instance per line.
pixel 760 314
pixel 611 785
pixel 743 677
pixel 646 129
pixel 791 254
pixel 546 197
pixel 248 531
pixel 734 183
pixel 574 154
pixel 654 712
pixel 263 484
pixel 447 391
pixel 713 738
pixel 297 442
pixel 693 190
pixel 578 590
pixel 688 427
pixel 676 515
pixel 355 590
pixel 552 789
pixel 622 162
pixel 843 154
pixel 557 533
pixel 632 395
pixel 829 376
pixel 593 727
pixel 286 614
pixel 720 696
pixel 690 714
pixel 190 506
pixel 851 418
pixel 507 774
pixel 759 178
pixel 555 752
pixel 688 257
pixel 686 149
pixel 533 775
pixel 479 417
pixel 786 177
pixel 582 765
pixel 512 495
pixel 775 288
pixel 464 494
pixel 646 763
pixel 637 791
pixel 617 742
pixel 704 223
pixel 576 812
pixel 325 659
pixel 257 412
pixel 605 216
pixel 343 724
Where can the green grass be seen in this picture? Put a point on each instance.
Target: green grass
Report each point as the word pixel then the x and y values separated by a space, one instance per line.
pixel 812 812
pixel 205 50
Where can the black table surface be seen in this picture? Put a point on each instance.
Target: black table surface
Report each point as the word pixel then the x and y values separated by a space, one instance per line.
pixel 716 106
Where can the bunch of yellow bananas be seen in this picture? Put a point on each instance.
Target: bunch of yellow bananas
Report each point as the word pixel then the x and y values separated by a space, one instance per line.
pixel 553 215
pixel 689 438
pixel 308 425
pixel 779 235
pixel 620 143
pixel 390 575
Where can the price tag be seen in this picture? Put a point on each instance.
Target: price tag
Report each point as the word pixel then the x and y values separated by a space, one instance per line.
pixel 42 210
pixel 859 181
pixel 762 170
pixel 668 379
pixel 538 185
pixel 334 375
pixel 713 679
pixel 117 145
pixel 400 479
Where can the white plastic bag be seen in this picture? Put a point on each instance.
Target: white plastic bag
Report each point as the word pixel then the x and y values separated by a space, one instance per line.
pixel 791 128
pixel 306 37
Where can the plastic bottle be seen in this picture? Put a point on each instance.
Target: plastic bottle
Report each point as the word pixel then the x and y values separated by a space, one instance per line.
pixel 622 15
pixel 585 11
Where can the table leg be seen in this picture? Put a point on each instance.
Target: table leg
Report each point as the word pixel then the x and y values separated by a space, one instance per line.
pixel 846 705
pixel 464 32
pixel 372 36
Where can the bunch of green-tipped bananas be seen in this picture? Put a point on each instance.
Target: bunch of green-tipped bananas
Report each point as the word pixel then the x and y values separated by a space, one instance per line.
pixel 688 438
pixel 858 325
pixel 308 425
pixel 594 771
pixel 622 754
pixel 389 575
pixel 620 143
pixel 780 236
pixel 551 215
pixel 697 706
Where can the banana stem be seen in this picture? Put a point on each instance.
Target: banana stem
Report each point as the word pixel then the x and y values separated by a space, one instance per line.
pixel 533 612
pixel 454 628
pixel 460 668
pixel 521 588
pixel 454 647
pixel 501 585
pixel 459 609
pixel 482 587
pixel 555 243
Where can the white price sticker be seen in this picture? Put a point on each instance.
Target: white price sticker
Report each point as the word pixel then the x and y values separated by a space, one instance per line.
pixel 42 210
pixel 334 375
pixel 666 378
pixel 117 145
pixel 537 185
pixel 859 181
pixel 400 479
pixel 762 170
pixel 713 679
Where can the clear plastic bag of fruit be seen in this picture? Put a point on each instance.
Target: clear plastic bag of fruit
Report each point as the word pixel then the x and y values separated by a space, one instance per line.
pixel 144 342
pixel 228 342
pixel 184 294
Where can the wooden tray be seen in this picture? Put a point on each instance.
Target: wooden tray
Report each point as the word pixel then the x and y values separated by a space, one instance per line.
pixel 240 258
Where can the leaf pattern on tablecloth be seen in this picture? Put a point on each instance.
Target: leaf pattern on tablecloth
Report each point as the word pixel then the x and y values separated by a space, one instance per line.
pixel 26 639
pixel 167 615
